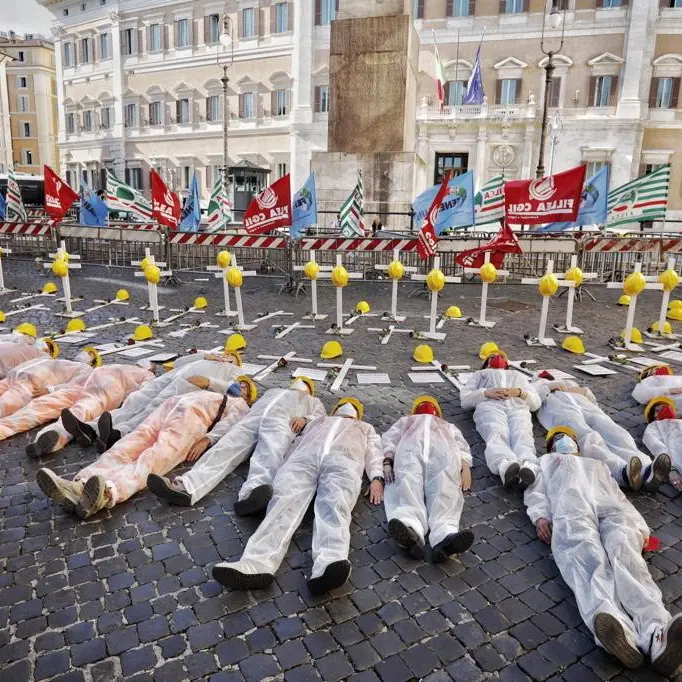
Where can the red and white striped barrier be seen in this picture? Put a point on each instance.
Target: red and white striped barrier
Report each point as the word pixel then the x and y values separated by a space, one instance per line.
pixel 671 245
pixel 341 244
pixel 620 245
pixel 234 241
pixel 41 229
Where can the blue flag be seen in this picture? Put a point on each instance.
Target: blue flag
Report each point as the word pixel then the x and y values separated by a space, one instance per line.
pixel 593 200
pixel 457 209
pixel 2 207
pixel 190 218
pixel 304 208
pixel 474 92
pixel 93 211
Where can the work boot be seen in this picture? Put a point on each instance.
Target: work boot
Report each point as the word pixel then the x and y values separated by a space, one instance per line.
pixel 611 635
pixel 657 473
pixel 108 435
pixel 82 433
pixel 335 575
pixel 406 538
pixel 256 502
pixel 171 490
pixel 526 476
pixel 67 494
pixel 43 445
pixel 94 497
pixel 229 576
pixel 666 647
pixel 632 473
pixel 511 474
pixel 455 543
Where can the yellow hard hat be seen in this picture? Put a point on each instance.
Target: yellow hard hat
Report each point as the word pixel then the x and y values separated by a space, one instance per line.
pixel 635 335
pixel 234 277
pixel 152 274
pixel 559 430
pixel 362 307
pixel 122 295
pixel 573 344
pixel 311 270
pixel 2 316
pixel 75 325
pixel 674 314
pixel 359 407
pixel 395 270
pixel 253 389
pixel 487 349
pixel 60 268
pixel 28 329
pixel 669 279
pixel 488 273
pixel 453 312
pixel 667 327
pixel 634 284
pixel 331 349
pixel 423 353
pixel 426 399
pixel 168 366
pixel 624 300
pixel 235 342
pixel 200 303
pixel 143 332
pixel 95 357
pixel 574 275
pixel 223 259
pixel 435 280
pixel 339 276
pixel 548 284
pixel 654 403
pixel 675 303
pixel 52 347
pixel 233 354
pixel 308 382
pixel 49 288
pixel 145 263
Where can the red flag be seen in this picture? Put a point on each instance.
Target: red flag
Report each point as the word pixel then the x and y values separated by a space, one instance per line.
pixel 270 209
pixel 427 239
pixel 555 198
pixel 503 242
pixel 58 195
pixel 165 205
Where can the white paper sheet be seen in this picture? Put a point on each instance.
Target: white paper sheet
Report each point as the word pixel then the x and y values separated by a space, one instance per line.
pixel 426 378
pixel 135 352
pixel 74 338
pixel 163 357
pixel 672 355
pixel 314 374
pixel 558 374
pixel 645 362
pixel 369 378
pixel 595 370
pixel 110 346
pixel 249 368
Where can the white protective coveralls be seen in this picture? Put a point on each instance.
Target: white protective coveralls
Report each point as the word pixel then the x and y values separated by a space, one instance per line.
pixel 656 385
pixel 615 447
pixel 161 442
pixel 18 337
pixel 665 436
pixel 104 390
pixel 14 354
pixel 506 426
pixel 140 404
pixel 597 542
pixel 327 459
pixel 428 453
pixel 267 428
pixel 41 386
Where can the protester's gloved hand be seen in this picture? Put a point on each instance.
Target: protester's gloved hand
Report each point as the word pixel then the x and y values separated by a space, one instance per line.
pixel 235 390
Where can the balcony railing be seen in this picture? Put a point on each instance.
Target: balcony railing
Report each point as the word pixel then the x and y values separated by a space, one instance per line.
pixel 465 112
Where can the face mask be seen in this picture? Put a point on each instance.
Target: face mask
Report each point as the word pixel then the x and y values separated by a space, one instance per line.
pixel 565 445
pixel 299 385
pixel 83 357
pixel 665 412
pixel 346 410
pixel 235 390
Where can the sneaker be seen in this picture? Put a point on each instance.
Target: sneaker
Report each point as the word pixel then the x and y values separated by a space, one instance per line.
pixel 43 445
pixel 67 494
pixel 172 491
pixel 633 473
pixel 256 502
pixel 526 476
pixel 94 497
pixel 231 577
pixel 611 635
pixel 656 474
pixel 82 433
pixel 666 647
pixel 406 538
pixel 455 543
pixel 108 435
pixel 511 474
pixel 335 575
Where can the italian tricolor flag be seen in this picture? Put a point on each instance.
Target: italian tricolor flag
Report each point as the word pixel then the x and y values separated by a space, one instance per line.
pixel 440 75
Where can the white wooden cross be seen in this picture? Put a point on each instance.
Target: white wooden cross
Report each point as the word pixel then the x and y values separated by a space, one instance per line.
pixel 154 343
pixel 344 368
pixel 569 327
pixel 386 334
pixel 267 316
pixel 393 315
pixel 355 316
pixel 664 306
pixel 113 322
pixel 221 273
pixel 282 330
pixel 482 321
pixel 629 324
pixel 313 314
pixel 152 288
pixel 66 283
pixel 542 339
pixel 433 317
pixel 278 361
pixel 103 304
pixel 338 328
pixel 3 252
pixel 21 311
pixel 448 372
pixel 621 361
pixel 179 314
pixel 241 324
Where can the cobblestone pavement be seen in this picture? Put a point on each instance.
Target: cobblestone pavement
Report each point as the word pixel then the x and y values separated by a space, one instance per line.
pixel 129 595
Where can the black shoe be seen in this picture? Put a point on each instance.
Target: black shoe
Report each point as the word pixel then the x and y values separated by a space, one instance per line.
pixel 511 474
pixel 334 576
pixel 526 476
pixel 236 580
pixel 82 433
pixel 657 472
pixel 256 502
pixel 455 543
pixel 406 538
pixel 169 491
pixel 611 635
pixel 43 446
pixel 108 435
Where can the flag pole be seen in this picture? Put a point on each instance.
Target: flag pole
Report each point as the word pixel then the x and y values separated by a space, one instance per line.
pixel 457 64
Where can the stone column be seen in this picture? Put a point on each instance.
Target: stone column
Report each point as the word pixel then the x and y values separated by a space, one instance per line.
pixel 481 154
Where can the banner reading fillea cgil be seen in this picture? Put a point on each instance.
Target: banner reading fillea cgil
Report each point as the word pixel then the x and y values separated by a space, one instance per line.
pixel 271 208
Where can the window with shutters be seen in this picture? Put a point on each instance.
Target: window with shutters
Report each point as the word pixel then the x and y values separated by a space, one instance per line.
pixel 513 6
pixel 213 108
pixel 88 121
pixel 25 129
pixel 106 118
pixel 454 91
pixel 182 110
pixel 609 4
pixel 213 29
pixel 281 10
pixel 665 91
pixel 182 33
pixel 674 4
pixel 326 10
pixel 128 42
pixel 456 164
pixel 280 103
pixel 602 91
pixel 155 114
pixel 555 92
pixel 22 81
pixel 282 169
pixel 247 105
pixel 594 167
pixel 133 177
pixel 155 38
pixel 248 22
pixel 130 115
pixel 27 155
pixel 508 90
pixel 68 54
pixel 71 123
pixel 21 56
pixel 460 8
pixel 418 9
pixel 85 50
pixel 321 99
pixel 23 103
pixel 104 46
pixel 186 171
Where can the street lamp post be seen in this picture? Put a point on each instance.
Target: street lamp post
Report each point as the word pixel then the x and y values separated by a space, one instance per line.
pixel 226 41
pixel 555 19
pixel 557 128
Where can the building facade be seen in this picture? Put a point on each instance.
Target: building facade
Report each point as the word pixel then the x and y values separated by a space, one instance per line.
pixel 29 89
pixel 139 86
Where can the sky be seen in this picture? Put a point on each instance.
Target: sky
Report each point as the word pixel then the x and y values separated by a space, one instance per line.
pixel 24 16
